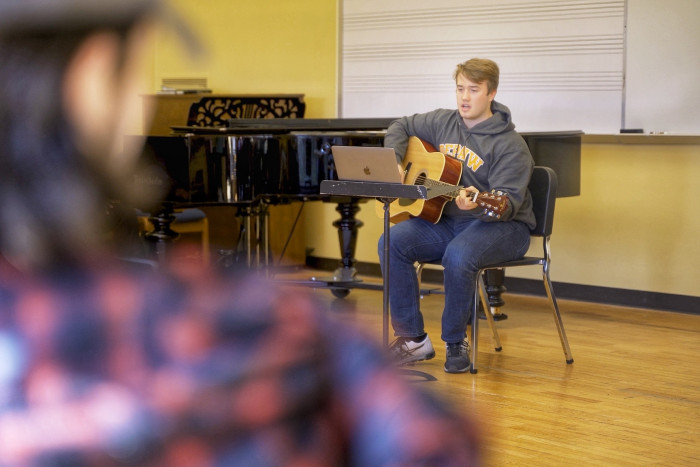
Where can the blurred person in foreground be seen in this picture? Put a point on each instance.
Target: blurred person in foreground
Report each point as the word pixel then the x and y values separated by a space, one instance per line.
pixel 104 365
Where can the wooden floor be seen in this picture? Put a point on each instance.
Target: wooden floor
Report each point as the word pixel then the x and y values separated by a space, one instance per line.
pixel 631 397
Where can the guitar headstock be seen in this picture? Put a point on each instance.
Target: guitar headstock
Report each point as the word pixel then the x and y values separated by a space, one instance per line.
pixel 494 202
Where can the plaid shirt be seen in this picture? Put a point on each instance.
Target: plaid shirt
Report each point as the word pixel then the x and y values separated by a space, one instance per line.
pixel 192 367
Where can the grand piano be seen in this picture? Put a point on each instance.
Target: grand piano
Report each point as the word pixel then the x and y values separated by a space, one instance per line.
pixel 252 163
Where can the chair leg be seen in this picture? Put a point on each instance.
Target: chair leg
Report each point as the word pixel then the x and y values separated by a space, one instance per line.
pixel 489 317
pixel 475 333
pixel 419 275
pixel 557 316
pixel 480 295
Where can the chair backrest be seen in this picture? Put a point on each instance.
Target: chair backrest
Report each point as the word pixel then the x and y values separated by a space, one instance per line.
pixel 543 188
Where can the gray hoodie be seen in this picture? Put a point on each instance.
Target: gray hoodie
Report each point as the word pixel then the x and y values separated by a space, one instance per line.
pixel 493 155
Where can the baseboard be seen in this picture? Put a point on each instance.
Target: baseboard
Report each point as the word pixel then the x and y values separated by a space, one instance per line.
pixel 585 293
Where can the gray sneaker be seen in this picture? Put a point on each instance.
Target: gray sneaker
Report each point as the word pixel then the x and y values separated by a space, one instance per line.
pixel 403 350
pixel 457 360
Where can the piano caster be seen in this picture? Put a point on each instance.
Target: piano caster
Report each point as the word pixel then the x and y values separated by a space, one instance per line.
pixel 230 258
pixel 341 276
pixel 340 293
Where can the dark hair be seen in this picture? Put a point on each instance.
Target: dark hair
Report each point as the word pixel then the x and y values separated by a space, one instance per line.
pixel 53 199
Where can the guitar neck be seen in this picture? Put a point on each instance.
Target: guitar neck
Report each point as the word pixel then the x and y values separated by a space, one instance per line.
pixel 456 189
pixel 494 202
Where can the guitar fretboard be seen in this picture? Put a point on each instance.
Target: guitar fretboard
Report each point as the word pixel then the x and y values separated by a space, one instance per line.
pixel 422 180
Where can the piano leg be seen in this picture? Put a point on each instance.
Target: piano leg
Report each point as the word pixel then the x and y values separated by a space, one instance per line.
pixel 162 234
pixel 347 227
pixel 494 279
pixel 264 234
pixel 252 229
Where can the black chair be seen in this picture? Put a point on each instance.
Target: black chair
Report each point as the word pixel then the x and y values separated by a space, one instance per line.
pixel 543 188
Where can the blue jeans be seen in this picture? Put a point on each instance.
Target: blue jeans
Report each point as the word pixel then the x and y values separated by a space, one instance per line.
pixel 463 245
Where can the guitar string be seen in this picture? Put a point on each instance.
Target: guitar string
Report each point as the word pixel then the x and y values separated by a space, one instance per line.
pixel 421 179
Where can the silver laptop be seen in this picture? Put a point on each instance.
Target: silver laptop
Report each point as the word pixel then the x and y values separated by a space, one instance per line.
pixel 366 164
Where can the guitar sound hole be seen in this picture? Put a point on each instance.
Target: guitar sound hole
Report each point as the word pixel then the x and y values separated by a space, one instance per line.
pixel 405 202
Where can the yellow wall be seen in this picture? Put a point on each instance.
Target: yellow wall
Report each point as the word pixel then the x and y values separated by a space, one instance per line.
pixel 262 46
pixel 635 225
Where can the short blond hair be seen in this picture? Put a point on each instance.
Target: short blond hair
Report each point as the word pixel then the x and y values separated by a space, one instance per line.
pixel 479 70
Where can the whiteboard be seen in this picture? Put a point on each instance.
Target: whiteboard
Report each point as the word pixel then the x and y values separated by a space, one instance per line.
pixel 565 64
pixel 663 66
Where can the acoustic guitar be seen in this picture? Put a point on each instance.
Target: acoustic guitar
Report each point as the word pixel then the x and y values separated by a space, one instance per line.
pixel 424 165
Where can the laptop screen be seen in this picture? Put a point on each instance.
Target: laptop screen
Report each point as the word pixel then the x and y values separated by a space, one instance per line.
pixel 366 163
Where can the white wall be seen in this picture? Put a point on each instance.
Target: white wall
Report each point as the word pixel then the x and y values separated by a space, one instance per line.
pixel 561 62
pixel 569 65
pixel 663 66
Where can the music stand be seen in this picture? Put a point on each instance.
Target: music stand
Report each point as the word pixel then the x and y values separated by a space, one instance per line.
pixel 386 193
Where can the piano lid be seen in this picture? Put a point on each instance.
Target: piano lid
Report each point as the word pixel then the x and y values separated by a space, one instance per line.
pixel 286 125
pixel 298 124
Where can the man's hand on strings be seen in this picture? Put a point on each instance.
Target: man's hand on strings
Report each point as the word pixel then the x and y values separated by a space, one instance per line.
pixel 464 200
